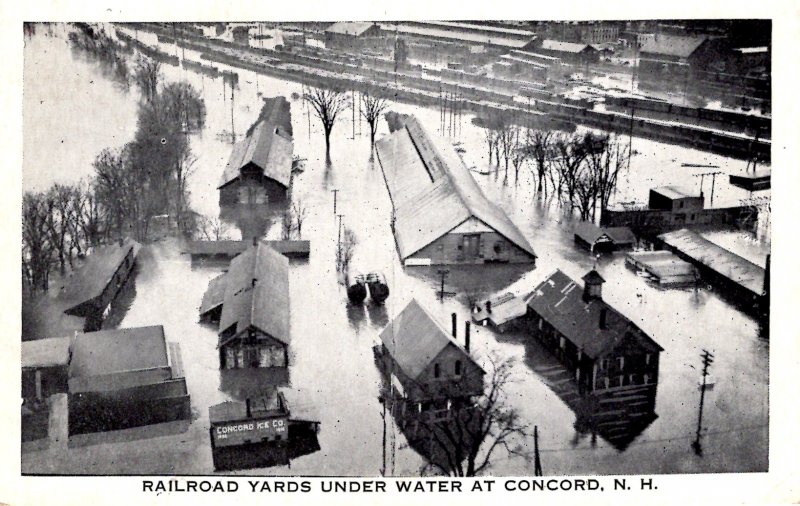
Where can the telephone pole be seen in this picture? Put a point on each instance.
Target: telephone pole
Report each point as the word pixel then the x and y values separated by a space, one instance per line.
pixel 708 359
pixel 537 462
pixel 702 176
pixel 335 191
pixel 442 294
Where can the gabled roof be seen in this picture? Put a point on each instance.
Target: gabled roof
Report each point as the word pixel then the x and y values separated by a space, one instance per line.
pixel 354 28
pixel 559 301
pixel 590 233
pixel 564 47
pixel 673 192
pixel 257 293
pixel 119 350
pixel 414 339
pixel 215 294
pixel 268 145
pixel 672 45
pixel 432 190
pixel 89 280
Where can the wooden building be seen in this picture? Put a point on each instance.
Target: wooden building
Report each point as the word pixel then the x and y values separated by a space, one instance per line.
pixel 260 166
pixel 348 35
pixel 91 289
pixel 603 239
pixel 439 213
pixel 119 379
pixel 671 208
pixel 679 55
pixel 424 362
pixel 601 347
pixel 251 303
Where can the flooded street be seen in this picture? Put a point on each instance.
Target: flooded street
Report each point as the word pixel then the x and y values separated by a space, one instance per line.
pixel 332 375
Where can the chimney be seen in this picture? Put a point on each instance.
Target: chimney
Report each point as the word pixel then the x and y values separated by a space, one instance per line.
pixel 489 306
pixel 593 286
pixel 247 407
pixel 121 242
pixel 255 240
pixel 455 322
pixel 603 316
pixel 466 336
pixel 254 281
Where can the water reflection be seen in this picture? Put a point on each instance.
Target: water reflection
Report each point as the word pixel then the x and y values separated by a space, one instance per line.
pixel 356 315
pixel 377 315
pixel 254 220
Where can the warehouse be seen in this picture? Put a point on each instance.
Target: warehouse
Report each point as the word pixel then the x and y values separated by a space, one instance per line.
pixel 440 215
pixel 251 303
pixel 119 379
pixel 92 288
pixel 603 239
pixel 260 166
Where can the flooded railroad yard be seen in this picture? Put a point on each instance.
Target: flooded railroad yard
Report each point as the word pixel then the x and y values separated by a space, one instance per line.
pixel 332 374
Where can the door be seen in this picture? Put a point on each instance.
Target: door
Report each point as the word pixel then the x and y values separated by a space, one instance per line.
pixel 471 247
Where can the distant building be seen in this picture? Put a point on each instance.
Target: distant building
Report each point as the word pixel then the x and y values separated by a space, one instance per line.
pixel 119 379
pixel 603 239
pixel 424 362
pixel 347 35
pixel 251 303
pixel 572 52
pixel 259 169
pixel 670 208
pixel 601 347
pixel 585 32
pixel 91 289
pixel 439 213
pixel 678 55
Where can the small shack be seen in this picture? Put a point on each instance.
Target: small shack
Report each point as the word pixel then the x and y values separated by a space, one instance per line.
pixel 347 35
pixel 251 303
pixel 603 239
pixel 424 362
pixel 44 367
pixel 119 379
pixel 600 346
pixel 260 166
pixel 91 288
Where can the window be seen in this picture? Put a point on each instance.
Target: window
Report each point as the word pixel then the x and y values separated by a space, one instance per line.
pixel 562 343
pixel 621 361
pixel 621 379
pixel 605 381
pixel 681 205
pixel 646 379
pixel 580 355
pixel 436 371
pixel 647 359
pixel 541 320
pixel 458 368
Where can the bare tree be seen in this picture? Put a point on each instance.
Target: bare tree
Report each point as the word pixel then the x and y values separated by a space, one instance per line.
pixel 346 249
pixel 327 104
pixel 372 109
pixel 518 152
pixel 539 147
pixel 211 228
pixel 299 214
pixel 606 165
pixel 147 75
pixel 571 152
pixel 37 252
pixel 463 441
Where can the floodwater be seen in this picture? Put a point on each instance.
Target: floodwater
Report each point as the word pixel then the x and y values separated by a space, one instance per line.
pixel 332 377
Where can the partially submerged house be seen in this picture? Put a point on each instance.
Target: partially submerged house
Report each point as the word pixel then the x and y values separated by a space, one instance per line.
pixel 124 378
pixel 251 303
pixel 44 367
pixel 600 346
pixel 603 239
pixel 91 289
pixel 260 166
pixel 439 213
pixel 424 362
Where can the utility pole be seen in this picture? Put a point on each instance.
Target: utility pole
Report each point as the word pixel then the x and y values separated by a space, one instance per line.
pixel 537 462
pixel 702 176
pixel 335 191
pixel 443 273
pixel 708 359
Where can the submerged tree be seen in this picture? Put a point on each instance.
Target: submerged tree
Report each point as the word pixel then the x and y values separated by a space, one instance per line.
pixel 372 109
pixel 463 439
pixel 147 75
pixel 538 147
pixel 327 104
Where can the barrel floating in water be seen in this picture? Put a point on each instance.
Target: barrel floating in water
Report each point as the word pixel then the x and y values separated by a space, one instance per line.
pixel 378 289
pixel 356 287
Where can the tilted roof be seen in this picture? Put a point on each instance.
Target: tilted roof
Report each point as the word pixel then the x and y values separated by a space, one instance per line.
pixel 50 352
pixel 590 233
pixel 215 294
pixel 119 350
pixel 355 28
pixel 91 278
pixel 559 301
pixel 268 145
pixel 564 47
pixel 414 338
pixel 672 45
pixel 257 293
pixel 673 192
pixel 432 190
